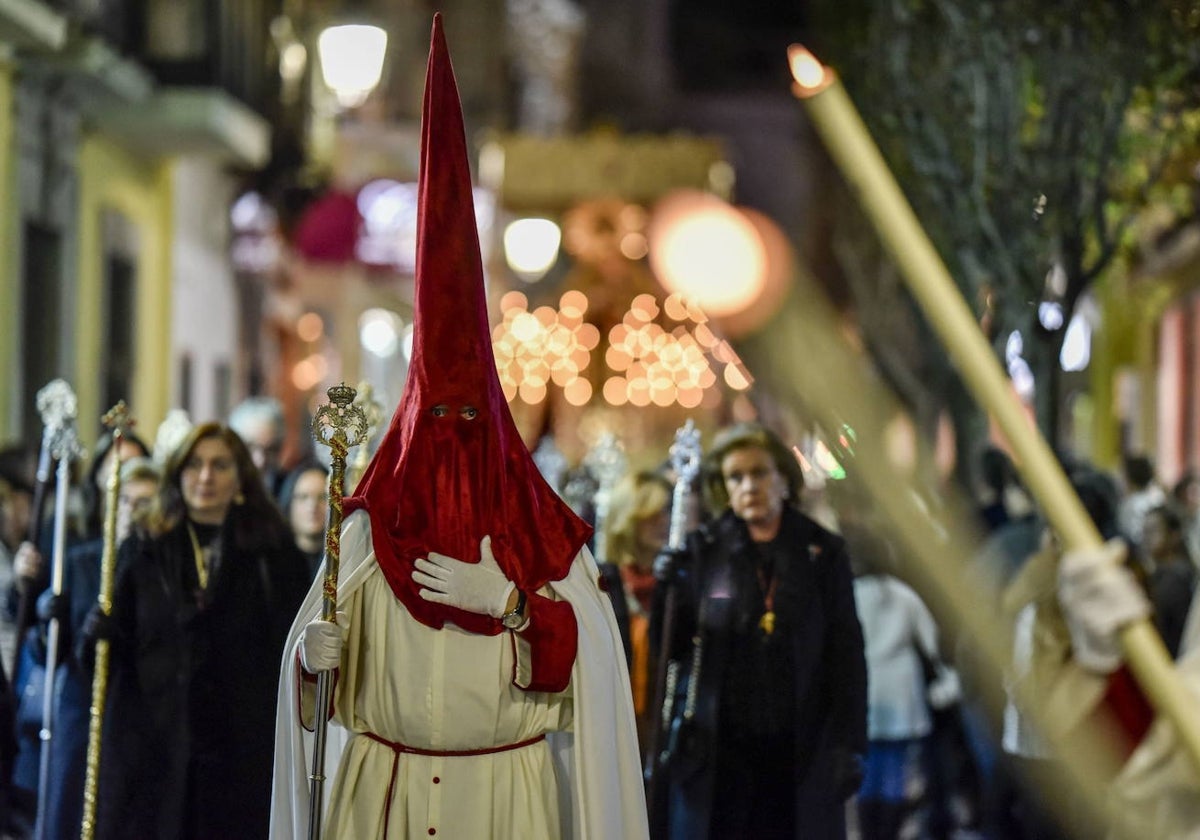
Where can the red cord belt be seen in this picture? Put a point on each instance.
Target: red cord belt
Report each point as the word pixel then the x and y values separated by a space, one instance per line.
pixel 397 748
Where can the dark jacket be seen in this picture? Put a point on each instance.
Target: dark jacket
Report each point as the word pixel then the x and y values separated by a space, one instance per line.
pixel 820 733
pixel 190 720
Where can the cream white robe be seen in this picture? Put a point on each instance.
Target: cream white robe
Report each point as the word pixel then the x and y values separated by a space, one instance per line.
pixel 1158 789
pixel 453 690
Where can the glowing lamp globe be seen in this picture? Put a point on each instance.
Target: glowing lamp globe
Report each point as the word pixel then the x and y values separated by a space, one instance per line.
pixel 352 61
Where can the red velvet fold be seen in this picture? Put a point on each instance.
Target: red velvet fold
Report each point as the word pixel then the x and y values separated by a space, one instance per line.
pixel 553 639
pixel 1129 709
pixel 452 467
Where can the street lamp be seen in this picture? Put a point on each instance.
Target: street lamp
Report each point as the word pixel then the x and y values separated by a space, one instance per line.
pixel 352 61
pixel 531 247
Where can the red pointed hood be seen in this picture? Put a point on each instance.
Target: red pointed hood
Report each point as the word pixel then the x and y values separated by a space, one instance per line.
pixel 452 466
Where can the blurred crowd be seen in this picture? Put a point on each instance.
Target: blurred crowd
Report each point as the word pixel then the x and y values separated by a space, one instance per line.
pixel 787 677
pixel 215 545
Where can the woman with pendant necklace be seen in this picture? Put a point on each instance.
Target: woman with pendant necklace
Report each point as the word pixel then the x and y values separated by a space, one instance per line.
pixel 768 720
pixel 203 600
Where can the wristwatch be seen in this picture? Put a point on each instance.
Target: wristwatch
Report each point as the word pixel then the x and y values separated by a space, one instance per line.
pixel 515 617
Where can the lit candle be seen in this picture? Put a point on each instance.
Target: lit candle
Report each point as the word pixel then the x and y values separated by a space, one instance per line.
pixel 852 149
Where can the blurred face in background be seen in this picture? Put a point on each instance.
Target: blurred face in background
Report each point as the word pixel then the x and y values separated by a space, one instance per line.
pixel 132 503
pixel 16 508
pixel 1159 538
pixel 652 535
pixel 756 488
pixel 209 481
pixel 263 441
pixel 128 449
pixel 308 509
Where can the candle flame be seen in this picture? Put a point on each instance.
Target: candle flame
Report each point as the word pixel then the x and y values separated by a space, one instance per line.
pixel 811 75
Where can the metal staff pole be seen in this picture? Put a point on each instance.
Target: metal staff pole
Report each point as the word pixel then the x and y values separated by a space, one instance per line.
pixel 117 418
pixel 606 461
pixel 54 400
pixel 65 449
pixel 339 425
pixel 685 460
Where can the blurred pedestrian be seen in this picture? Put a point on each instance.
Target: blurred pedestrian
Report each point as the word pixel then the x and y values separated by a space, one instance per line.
pixel 907 678
pixel 203 599
pixel 72 691
pixel 769 724
pixel 73 682
pixel 1142 493
pixel 304 499
pixel 1171 575
pixel 638 519
pixel 260 423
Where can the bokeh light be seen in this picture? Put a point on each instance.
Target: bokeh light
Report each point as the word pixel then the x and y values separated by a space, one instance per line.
pixel 660 353
pixel 707 250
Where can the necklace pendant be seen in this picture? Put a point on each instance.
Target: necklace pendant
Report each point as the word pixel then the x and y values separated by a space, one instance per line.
pixel 767 622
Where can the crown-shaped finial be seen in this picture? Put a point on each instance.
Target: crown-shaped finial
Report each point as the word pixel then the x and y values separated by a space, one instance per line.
pixel 341 394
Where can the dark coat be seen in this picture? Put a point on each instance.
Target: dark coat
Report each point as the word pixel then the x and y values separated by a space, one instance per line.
pixel 720 602
pixel 610 582
pixel 190 719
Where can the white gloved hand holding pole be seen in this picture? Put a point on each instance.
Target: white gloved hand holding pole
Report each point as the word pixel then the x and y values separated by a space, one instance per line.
pixel 1099 596
pixel 474 587
pixel 321 644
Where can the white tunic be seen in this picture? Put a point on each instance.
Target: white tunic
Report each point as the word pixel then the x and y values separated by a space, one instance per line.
pixel 446 690
pixel 449 690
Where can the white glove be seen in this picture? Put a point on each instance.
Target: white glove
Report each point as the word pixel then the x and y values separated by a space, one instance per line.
pixel 321 644
pixel 1099 596
pixel 945 689
pixel 475 587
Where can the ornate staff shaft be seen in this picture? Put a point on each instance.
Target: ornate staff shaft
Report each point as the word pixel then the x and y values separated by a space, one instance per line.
pixel 119 421
pixel 55 402
pixel 66 448
pixel 606 461
pixel 339 424
pixel 685 460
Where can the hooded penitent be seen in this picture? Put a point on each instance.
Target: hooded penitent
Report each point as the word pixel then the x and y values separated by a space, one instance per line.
pixel 452 467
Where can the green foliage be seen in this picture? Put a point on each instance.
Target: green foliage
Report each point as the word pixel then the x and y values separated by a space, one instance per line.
pixel 1027 134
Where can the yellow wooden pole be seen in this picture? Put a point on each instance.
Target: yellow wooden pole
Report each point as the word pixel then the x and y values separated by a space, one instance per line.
pixel 849 143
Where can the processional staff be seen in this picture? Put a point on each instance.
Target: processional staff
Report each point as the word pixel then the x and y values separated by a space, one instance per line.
pixel 685 461
pixel 58 408
pixel 48 404
pixel 339 424
pixel 119 420
pixel 373 410
pixel 606 462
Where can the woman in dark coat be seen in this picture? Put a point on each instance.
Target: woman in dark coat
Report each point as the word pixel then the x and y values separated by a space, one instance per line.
pixel 770 744
pixel 203 601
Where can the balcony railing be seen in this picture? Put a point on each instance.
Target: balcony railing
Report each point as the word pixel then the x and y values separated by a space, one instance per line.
pixel 190 43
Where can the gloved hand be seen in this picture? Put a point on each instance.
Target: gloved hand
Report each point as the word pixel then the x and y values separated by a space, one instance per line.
pixel 321 644
pixel 944 689
pixel 51 606
pixel 668 563
pixel 1099 596
pixel 27 565
pixel 96 626
pixel 847 770
pixel 475 587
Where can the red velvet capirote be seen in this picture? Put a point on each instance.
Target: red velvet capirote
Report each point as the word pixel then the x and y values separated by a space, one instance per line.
pixel 452 466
